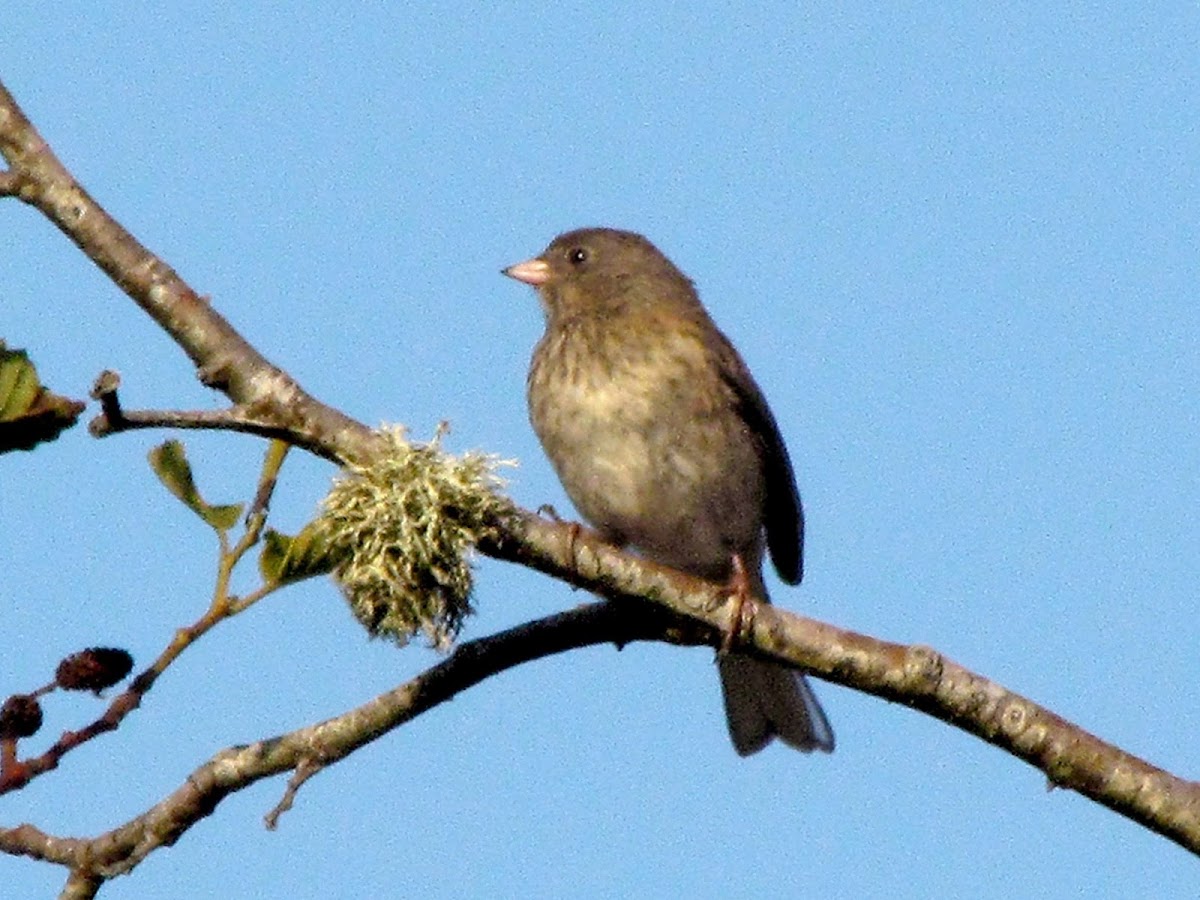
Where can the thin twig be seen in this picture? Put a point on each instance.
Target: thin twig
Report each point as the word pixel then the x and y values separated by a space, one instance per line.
pixel 307 768
pixel 231 419
pixel 15 774
pixel 115 419
pixel 120 850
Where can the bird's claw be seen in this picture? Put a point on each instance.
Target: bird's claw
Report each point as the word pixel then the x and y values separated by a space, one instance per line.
pixel 741 620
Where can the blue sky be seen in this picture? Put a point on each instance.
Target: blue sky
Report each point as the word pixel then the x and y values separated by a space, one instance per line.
pixel 957 247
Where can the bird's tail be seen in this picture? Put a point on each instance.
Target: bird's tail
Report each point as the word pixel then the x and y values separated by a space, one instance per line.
pixel 764 700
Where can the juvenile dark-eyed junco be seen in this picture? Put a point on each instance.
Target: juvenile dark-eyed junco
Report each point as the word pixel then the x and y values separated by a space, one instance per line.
pixel 664 442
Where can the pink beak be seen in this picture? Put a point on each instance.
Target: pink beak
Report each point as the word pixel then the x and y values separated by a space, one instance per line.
pixel 532 271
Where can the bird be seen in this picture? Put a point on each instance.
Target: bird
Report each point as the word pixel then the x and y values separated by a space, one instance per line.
pixel 665 444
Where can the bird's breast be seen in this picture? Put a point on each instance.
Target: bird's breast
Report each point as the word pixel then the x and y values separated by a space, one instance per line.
pixel 595 414
pixel 647 444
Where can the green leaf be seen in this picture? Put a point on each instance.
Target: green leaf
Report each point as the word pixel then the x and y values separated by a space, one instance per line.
pixel 286 559
pixel 18 383
pixel 170 464
pixel 29 414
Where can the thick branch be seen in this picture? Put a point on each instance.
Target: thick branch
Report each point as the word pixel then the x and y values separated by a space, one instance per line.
pixel 916 676
pixel 223 359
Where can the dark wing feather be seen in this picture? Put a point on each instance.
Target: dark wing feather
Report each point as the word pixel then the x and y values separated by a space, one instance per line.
pixel 782 513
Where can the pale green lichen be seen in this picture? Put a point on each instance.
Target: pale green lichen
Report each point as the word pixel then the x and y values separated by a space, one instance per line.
pixel 404 527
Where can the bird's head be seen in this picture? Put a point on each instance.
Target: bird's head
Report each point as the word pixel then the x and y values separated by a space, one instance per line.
pixel 599 271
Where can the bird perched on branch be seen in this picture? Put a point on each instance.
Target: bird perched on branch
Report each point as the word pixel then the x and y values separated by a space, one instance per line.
pixel 664 442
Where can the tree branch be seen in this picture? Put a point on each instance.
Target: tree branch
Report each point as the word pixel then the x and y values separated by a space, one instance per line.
pixel 118 851
pixel 916 676
pixel 114 418
pixel 223 359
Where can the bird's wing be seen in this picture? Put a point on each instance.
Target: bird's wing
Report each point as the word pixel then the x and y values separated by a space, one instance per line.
pixel 782 513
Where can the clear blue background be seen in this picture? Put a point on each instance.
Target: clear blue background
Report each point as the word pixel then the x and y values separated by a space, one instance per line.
pixel 959 251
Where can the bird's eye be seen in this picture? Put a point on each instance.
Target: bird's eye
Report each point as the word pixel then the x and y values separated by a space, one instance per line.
pixel 578 256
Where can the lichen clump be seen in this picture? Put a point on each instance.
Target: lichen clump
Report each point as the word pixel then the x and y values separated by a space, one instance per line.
pixel 405 526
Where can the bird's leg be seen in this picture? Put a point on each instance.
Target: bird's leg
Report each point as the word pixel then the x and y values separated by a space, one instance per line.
pixel 740 591
pixel 574 529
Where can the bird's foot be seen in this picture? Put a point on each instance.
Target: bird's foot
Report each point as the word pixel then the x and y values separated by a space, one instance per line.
pixel 574 529
pixel 742 617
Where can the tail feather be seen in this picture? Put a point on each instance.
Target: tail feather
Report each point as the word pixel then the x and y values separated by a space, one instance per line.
pixel 765 701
